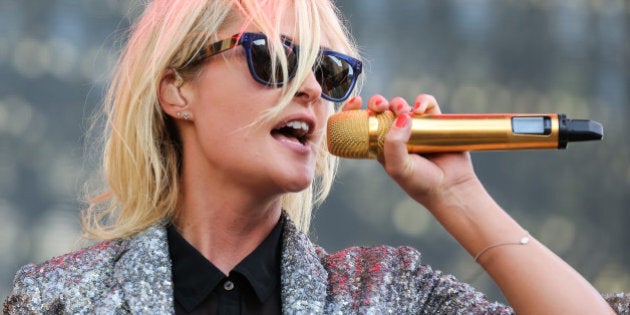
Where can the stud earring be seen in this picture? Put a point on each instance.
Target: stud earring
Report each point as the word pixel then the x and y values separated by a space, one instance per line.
pixel 184 115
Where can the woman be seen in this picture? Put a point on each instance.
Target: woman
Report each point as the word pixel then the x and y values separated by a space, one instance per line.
pixel 214 155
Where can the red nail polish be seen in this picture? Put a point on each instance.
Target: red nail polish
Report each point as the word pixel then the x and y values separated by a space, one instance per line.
pixel 378 102
pixel 352 100
pixel 401 120
pixel 399 107
pixel 416 105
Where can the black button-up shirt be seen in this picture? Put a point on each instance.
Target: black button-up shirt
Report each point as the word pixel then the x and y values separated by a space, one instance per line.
pixel 252 287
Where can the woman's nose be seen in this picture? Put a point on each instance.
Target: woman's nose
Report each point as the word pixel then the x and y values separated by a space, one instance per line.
pixel 310 90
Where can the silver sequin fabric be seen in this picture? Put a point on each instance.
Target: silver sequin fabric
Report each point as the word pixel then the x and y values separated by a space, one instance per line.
pixel 133 275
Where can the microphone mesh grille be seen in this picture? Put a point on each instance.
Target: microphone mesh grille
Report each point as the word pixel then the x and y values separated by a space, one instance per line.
pixel 347 134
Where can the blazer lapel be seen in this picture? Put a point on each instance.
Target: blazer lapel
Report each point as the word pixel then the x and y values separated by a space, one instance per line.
pixel 303 278
pixel 144 275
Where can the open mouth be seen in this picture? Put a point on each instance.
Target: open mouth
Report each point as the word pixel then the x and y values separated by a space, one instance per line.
pixel 297 130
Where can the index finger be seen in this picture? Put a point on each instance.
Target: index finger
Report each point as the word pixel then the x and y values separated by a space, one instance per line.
pixel 426 104
pixel 353 103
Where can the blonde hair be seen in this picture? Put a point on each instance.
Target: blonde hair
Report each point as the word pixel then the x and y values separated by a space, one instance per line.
pixel 142 152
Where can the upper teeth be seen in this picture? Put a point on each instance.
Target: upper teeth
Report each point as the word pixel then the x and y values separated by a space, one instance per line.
pixel 299 125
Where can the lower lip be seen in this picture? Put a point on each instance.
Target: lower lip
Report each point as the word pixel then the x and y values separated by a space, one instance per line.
pixel 293 144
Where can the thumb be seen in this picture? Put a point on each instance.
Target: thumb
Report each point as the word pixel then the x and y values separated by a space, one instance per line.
pixel 397 161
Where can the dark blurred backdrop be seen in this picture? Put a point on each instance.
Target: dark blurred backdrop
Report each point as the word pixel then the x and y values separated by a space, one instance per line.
pixel 475 56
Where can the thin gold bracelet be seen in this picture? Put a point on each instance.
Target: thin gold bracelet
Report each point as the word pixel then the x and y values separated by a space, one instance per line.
pixel 523 241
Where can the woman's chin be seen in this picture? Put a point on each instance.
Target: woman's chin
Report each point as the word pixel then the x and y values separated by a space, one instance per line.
pixel 298 185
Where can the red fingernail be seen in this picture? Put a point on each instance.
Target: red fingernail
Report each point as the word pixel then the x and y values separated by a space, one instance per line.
pixel 378 102
pixel 416 105
pixel 352 100
pixel 401 120
pixel 399 107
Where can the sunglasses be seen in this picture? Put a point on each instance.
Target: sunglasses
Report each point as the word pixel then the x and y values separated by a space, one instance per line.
pixel 335 72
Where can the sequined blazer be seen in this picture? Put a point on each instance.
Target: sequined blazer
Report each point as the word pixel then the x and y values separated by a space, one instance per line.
pixel 133 275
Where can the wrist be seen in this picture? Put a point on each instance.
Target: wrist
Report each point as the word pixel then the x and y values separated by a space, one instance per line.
pixel 455 197
pixel 473 218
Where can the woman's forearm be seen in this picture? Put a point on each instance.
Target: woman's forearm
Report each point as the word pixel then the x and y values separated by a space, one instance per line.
pixel 533 279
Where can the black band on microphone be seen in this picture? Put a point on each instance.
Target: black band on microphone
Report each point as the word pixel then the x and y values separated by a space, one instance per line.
pixel 578 130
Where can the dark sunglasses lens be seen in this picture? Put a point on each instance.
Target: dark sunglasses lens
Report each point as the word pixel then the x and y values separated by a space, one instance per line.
pixel 335 76
pixel 262 65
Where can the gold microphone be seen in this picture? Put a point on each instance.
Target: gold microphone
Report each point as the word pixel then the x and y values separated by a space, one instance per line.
pixel 360 134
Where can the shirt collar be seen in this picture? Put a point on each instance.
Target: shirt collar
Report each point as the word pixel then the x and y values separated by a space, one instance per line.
pixel 262 266
pixel 195 277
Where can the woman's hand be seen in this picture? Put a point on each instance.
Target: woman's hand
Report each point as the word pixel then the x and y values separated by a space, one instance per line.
pixel 428 178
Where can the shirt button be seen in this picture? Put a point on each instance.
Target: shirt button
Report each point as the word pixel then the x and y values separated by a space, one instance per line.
pixel 228 285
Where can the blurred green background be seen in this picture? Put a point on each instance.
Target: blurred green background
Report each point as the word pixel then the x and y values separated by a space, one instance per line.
pixel 475 56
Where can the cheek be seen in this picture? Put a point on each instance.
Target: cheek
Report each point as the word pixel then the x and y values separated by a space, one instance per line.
pixel 227 102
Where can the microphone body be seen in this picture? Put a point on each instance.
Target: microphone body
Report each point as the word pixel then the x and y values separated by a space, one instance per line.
pixel 360 135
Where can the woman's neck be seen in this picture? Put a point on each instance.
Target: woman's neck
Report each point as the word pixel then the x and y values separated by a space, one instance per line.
pixel 224 223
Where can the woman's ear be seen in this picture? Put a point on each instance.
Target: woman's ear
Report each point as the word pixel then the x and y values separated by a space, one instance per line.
pixel 170 94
